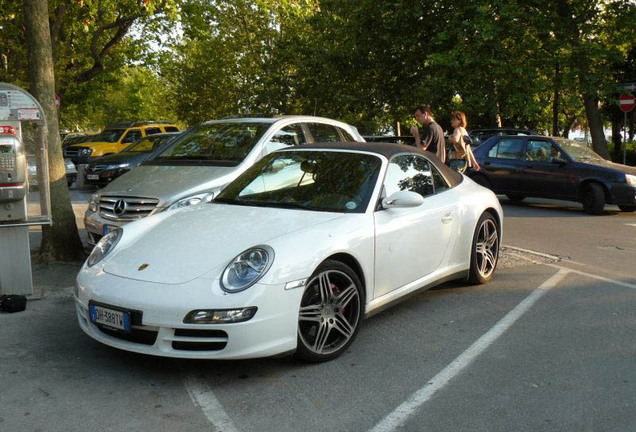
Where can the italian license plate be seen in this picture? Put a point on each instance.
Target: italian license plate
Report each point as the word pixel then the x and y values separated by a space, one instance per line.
pixel 92 176
pixel 115 319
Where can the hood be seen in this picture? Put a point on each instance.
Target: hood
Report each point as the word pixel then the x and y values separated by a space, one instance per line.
pixel 607 164
pixel 133 158
pixel 169 183
pixel 194 241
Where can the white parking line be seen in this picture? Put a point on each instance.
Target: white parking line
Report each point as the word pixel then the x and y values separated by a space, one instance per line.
pixel 202 396
pixel 407 409
pixel 593 276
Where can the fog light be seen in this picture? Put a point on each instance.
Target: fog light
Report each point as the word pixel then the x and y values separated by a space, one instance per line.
pixel 223 316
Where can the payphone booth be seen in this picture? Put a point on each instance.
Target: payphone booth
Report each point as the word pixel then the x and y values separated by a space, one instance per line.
pixel 25 203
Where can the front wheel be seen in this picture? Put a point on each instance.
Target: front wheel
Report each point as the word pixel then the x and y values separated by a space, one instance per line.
pixel 627 208
pixel 485 250
pixel 593 199
pixel 330 313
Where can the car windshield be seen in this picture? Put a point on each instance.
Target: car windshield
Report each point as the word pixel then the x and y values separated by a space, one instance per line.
pixel 578 151
pixel 146 144
pixel 333 181
pixel 108 135
pixel 216 143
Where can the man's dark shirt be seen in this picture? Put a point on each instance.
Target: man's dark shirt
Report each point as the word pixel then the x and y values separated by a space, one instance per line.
pixel 432 137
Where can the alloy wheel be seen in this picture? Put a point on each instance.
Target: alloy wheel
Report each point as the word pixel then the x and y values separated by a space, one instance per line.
pixel 487 248
pixel 329 312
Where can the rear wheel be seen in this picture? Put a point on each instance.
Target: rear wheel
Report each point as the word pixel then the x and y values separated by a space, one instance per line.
pixel 485 250
pixel 593 199
pixel 627 208
pixel 330 312
pixel 516 197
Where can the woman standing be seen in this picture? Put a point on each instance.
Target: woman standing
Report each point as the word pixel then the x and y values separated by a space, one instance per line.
pixel 461 156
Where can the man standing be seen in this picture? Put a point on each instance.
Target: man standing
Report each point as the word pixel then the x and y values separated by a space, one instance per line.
pixel 432 138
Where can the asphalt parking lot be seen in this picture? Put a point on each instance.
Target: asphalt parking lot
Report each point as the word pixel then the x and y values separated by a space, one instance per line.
pixel 548 345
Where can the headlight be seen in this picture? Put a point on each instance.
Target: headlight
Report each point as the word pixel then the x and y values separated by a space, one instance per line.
pixel 93 204
pixel 192 200
pixel 103 247
pixel 631 179
pixel 86 151
pixel 247 268
pixel 112 167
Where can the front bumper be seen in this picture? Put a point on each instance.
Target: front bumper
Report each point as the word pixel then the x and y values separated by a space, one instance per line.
pixel 95 226
pixel 623 194
pixel 161 332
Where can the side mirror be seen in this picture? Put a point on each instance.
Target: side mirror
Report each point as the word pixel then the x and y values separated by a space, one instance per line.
pixel 403 199
pixel 559 161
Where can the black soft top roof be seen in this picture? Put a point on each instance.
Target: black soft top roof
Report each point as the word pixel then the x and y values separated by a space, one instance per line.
pixel 388 150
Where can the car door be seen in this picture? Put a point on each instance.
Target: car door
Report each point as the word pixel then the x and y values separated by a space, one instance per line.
pixel 502 164
pixel 540 175
pixel 410 243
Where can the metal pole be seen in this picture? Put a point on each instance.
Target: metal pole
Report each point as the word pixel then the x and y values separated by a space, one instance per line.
pixel 625 140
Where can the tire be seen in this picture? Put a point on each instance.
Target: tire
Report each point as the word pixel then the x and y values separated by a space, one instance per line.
pixel 515 197
pixel 330 313
pixel 627 208
pixel 484 250
pixel 593 199
pixel 482 180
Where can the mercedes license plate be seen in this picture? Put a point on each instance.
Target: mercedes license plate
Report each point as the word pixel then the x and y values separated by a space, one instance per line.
pixel 111 318
pixel 92 176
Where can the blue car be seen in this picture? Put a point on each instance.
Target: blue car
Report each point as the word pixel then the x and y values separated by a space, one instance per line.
pixel 105 169
pixel 557 168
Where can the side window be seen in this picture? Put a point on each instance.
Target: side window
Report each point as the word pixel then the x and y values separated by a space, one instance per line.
pixel 323 132
pixel 171 129
pixel 438 180
pixel 132 135
pixel 152 130
pixel 291 135
pixel 541 151
pixel 508 148
pixel 345 135
pixel 412 173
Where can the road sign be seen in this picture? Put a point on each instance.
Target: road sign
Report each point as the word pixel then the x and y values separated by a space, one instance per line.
pixel 626 102
pixel 628 86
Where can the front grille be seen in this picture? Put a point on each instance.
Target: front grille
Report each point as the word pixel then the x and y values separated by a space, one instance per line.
pixel 136 335
pixel 126 208
pixel 199 340
pixel 70 152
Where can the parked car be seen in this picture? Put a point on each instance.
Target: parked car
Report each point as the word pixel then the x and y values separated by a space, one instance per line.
pixel 105 169
pixel 115 138
pixel 71 172
pixel 199 163
pixel 291 268
pixel 77 138
pixel 558 168
pixel 478 136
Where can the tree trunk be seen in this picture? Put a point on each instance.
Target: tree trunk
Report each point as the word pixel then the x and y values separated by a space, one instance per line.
pixel 60 241
pixel 595 123
pixel 555 100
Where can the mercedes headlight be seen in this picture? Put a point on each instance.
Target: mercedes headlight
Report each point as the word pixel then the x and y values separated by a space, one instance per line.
pixel 103 247
pixel 93 204
pixel 631 179
pixel 192 200
pixel 247 268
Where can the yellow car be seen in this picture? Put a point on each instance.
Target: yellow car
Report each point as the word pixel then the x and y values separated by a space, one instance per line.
pixel 114 139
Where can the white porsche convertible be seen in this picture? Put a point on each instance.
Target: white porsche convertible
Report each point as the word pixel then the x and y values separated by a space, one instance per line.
pixel 291 256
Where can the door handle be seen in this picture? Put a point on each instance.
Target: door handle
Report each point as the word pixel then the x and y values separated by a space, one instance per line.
pixel 447 218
